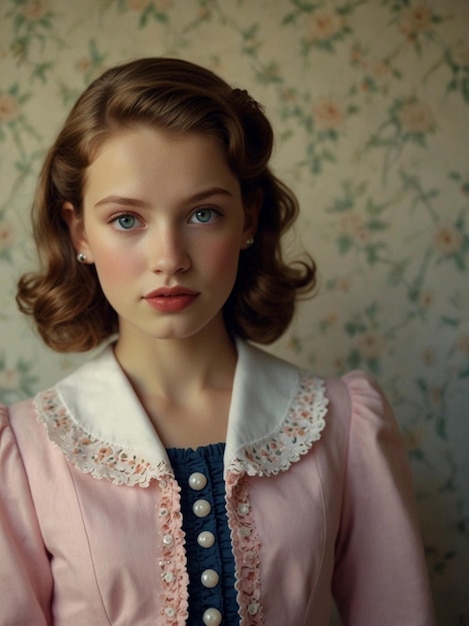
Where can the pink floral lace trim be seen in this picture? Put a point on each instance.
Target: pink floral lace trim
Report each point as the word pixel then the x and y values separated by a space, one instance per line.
pixel 173 565
pixel 89 454
pixel 301 428
pixel 246 545
pixel 273 454
pixel 103 460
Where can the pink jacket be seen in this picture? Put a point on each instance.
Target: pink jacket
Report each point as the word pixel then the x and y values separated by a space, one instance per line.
pixel 319 502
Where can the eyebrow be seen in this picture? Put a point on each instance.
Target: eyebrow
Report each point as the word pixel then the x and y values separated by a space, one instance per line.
pixel 135 202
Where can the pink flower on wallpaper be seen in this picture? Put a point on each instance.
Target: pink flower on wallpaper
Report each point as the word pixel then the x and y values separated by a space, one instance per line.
pixel 436 395
pixel 416 117
pixel 328 114
pixel 6 235
pixel 356 54
pixel 371 345
pixel 9 108
pixel 339 364
pixel 137 5
pixel 344 285
pixel 350 223
pixel 426 299
pixel 159 5
pixel 162 5
pixel 428 356
pixel 86 67
pixel 324 25
pixel 415 20
pixel 353 225
pixel 447 239
pixel 84 64
pixel 9 379
pixel 463 345
pixel 414 438
pixel 34 9
pixel 460 54
pixel 380 70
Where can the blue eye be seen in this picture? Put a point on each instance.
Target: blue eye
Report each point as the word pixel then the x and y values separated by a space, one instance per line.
pixel 203 216
pixel 126 222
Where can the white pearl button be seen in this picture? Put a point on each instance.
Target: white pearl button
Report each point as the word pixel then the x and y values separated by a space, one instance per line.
pixel 243 509
pixel 206 539
pixel 212 617
pixel 197 481
pixel 201 508
pixel 253 607
pixel 209 578
pixel 168 540
pixel 168 577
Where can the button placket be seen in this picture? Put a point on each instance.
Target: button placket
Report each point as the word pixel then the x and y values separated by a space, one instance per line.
pixel 205 539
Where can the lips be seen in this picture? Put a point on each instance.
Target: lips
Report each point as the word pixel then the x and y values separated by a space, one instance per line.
pixel 171 299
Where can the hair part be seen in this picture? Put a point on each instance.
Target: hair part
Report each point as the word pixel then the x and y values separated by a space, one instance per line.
pixel 64 297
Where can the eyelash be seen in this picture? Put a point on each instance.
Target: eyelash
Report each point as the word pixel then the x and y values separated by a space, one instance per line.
pixel 214 214
pixel 115 220
pixel 138 222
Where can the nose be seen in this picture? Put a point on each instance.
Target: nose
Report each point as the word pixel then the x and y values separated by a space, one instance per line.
pixel 168 254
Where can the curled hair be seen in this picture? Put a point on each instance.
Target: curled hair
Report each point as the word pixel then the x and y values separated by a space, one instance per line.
pixel 65 297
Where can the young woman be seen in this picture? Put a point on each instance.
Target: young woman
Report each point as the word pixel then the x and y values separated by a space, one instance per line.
pixel 184 475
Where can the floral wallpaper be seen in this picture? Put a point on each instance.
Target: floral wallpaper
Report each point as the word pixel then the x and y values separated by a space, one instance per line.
pixel 370 102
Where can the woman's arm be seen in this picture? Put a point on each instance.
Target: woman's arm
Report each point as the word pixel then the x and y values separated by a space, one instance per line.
pixel 380 574
pixel 25 575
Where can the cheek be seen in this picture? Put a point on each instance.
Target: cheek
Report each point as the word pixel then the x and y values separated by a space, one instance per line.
pixel 223 259
pixel 114 267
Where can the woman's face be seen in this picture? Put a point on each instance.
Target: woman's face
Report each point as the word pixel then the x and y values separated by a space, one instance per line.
pixel 164 224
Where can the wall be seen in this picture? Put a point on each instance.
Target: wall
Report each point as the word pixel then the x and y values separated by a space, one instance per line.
pixel 370 101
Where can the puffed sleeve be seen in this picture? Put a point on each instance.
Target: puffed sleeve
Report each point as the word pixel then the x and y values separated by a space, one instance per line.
pixel 380 571
pixel 25 575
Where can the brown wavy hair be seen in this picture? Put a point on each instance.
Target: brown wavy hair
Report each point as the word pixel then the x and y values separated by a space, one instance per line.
pixel 65 297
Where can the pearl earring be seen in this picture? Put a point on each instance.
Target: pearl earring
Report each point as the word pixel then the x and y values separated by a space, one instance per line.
pixel 250 241
pixel 81 257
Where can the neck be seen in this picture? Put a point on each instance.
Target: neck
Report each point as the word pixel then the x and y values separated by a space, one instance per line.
pixel 176 369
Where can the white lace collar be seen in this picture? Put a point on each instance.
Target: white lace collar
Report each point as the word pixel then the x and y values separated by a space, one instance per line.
pixel 97 421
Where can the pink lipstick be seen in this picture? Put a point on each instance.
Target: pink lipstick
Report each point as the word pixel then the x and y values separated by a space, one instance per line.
pixel 171 299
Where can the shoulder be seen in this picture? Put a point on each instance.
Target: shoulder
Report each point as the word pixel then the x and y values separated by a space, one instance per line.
pixel 23 418
pixel 21 437
pixel 357 394
pixel 5 426
pixel 15 416
pixel 361 418
pixel 25 425
pixel 370 409
pixel 358 414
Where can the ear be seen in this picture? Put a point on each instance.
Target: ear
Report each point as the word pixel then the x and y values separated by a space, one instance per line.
pixel 76 228
pixel 251 218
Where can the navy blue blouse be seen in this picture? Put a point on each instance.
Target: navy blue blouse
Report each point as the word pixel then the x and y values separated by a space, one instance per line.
pixel 210 561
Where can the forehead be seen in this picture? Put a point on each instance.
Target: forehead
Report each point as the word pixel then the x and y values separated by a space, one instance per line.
pixel 152 158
